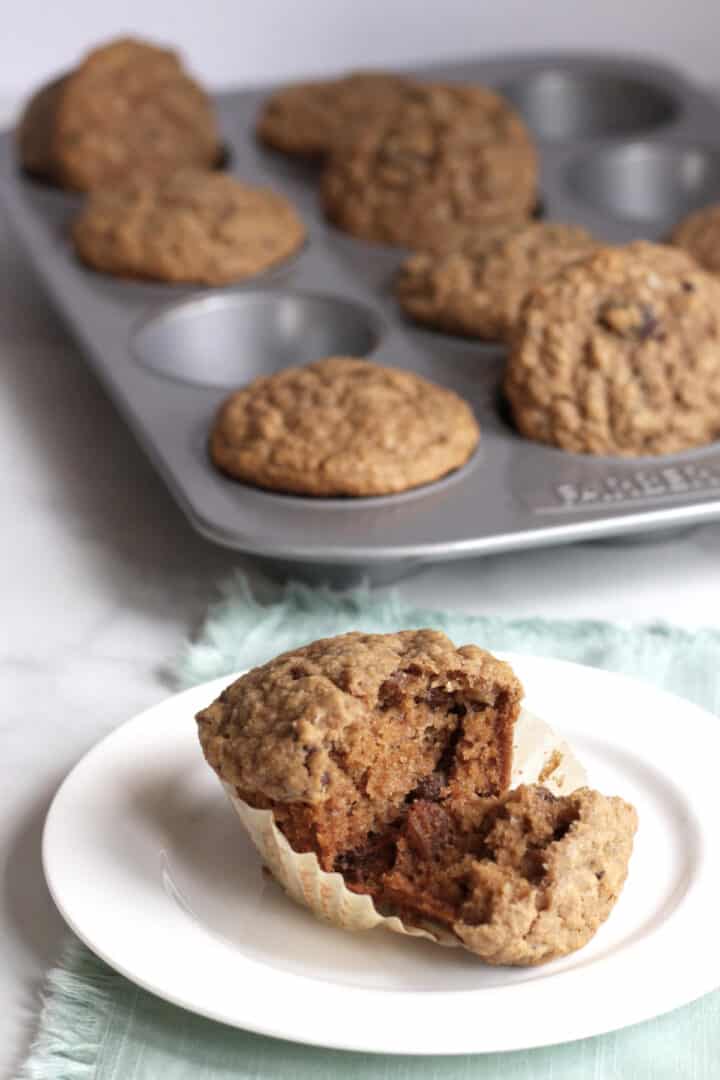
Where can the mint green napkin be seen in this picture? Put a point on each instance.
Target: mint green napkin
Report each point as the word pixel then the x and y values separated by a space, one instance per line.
pixel 95 1025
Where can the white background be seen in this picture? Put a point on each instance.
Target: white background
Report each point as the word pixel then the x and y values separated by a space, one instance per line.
pixel 250 41
pixel 101 578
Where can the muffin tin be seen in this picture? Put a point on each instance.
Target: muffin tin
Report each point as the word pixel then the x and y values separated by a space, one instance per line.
pixel 626 149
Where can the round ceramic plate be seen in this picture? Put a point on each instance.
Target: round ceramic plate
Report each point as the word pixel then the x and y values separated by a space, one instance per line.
pixel 150 867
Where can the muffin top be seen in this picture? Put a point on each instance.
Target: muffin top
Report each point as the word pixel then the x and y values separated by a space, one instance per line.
pixel 478 289
pixel 309 118
pixel 342 426
pixel 619 353
pixel 339 737
pixel 699 234
pixel 128 108
pixel 457 156
pixel 204 227
pixel 296 727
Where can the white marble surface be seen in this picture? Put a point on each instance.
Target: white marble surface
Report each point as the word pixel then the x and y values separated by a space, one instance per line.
pixel 101 579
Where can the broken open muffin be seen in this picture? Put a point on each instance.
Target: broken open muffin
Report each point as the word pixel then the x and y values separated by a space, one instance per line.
pixel 386 759
pixel 519 879
pixel 339 737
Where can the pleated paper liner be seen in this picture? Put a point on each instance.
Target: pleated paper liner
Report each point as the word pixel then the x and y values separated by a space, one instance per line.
pixel 539 756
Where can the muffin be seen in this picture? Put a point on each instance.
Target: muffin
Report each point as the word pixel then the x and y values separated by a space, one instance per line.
pixel 205 228
pixel 421 175
pixel 129 108
pixel 699 235
pixel 342 426
pixel 309 118
pixel 339 737
pixel 479 289
pixel 372 773
pixel 520 879
pixel 619 353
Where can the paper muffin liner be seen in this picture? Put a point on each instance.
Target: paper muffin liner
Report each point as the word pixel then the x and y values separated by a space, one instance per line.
pixel 539 756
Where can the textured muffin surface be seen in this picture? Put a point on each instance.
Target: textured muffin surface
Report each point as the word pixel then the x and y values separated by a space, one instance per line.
pixel 479 288
pixel 619 353
pixel 128 109
pixel 417 177
pixel 202 227
pixel 309 118
pixel 342 426
pixel 339 737
pixel 699 235
pixel 520 879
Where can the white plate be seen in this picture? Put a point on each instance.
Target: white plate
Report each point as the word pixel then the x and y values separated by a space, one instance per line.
pixel 150 867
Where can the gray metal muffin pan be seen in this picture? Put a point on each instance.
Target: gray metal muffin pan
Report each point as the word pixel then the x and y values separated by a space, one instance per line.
pixel 626 148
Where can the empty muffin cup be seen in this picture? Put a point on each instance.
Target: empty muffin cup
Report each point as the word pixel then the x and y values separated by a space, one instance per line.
pixel 647 182
pixel 559 104
pixel 228 340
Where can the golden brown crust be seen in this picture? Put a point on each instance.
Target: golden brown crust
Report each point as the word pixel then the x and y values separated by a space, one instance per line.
pixel 342 426
pixel 309 118
pixel 201 227
pixel 699 235
pixel 620 354
pixel 479 288
pixel 334 736
pixel 127 109
pixel 457 156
